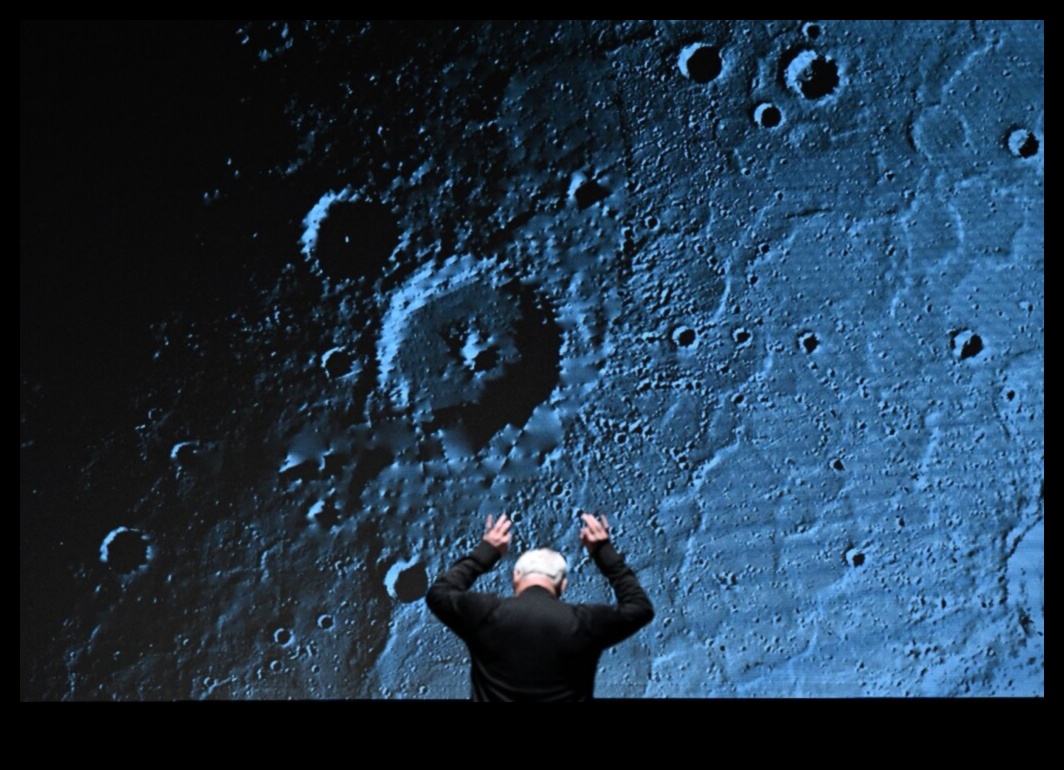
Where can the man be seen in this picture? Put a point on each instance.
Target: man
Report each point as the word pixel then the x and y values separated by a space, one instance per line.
pixel 533 646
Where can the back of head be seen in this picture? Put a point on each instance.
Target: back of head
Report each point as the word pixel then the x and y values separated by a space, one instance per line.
pixel 542 561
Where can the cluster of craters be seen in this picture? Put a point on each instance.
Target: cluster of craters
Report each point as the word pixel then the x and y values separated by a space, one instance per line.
pixel 804 70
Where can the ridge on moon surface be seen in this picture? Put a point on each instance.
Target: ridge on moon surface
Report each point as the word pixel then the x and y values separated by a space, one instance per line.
pixel 768 294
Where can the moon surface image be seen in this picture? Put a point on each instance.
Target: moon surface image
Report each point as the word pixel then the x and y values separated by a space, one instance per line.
pixel 302 303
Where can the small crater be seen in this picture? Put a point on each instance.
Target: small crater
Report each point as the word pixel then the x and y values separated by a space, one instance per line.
pixel 589 193
pixel 855 557
pixel 406 580
pixel 838 465
pixel 283 636
pixel 767 115
pixel 412 583
pixel 486 360
pixel 325 514
pixel 355 239
pixel 185 452
pixel 973 346
pixel 742 336
pixel 1022 143
pixel 124 549
pixel 808 342
pixel 811 75
pixel 811 30
pixel 337 362
pixel 701 63
pixel 684 336
pixel 965 344
pixel 326 621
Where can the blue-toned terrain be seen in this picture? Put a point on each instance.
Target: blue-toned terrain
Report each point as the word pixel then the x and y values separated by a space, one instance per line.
pixel 302 302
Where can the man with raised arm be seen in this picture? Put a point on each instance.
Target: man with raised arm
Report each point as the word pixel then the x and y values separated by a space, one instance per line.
pixel 533 646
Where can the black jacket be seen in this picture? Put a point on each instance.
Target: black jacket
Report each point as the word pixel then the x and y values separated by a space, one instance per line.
pixel 534 646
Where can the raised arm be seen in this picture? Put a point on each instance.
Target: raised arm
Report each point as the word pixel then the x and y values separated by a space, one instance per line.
pixel 633 609
pixel 498 534
pixel 450 599
pixel 595 532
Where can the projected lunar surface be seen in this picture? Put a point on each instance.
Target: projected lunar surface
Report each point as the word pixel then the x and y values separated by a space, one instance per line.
pixel 301 303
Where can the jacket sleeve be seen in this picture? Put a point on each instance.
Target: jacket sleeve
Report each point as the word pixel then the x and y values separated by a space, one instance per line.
pixel 450 599
pixel 633 610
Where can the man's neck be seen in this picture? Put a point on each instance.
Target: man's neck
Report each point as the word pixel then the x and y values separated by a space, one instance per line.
pixel 539 581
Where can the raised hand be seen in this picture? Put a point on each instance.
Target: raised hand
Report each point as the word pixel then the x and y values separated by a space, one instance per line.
pixel 595 531
pixel 497 532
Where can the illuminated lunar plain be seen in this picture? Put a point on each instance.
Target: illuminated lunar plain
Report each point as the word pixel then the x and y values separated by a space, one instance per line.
pixel 768 294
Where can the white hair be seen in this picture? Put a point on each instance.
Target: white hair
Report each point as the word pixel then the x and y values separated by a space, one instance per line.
pixel 542 561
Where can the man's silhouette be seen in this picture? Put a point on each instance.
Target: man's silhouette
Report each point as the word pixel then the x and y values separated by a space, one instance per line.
pixel 533 646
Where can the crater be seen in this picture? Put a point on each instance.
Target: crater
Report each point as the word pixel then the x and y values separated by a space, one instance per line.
pixel 412 583
pixel 469 350
pixel 350 239
pixel 325 514
pixel 810 74
pixel 125 550
pixel 808 342
pixel 337 362
pixel 855 557
pixel 768 115
pixel 588 193
pixel 684 336
pixel 965 344
pixel 407 580
pixel 701 63
pixel 1022 143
